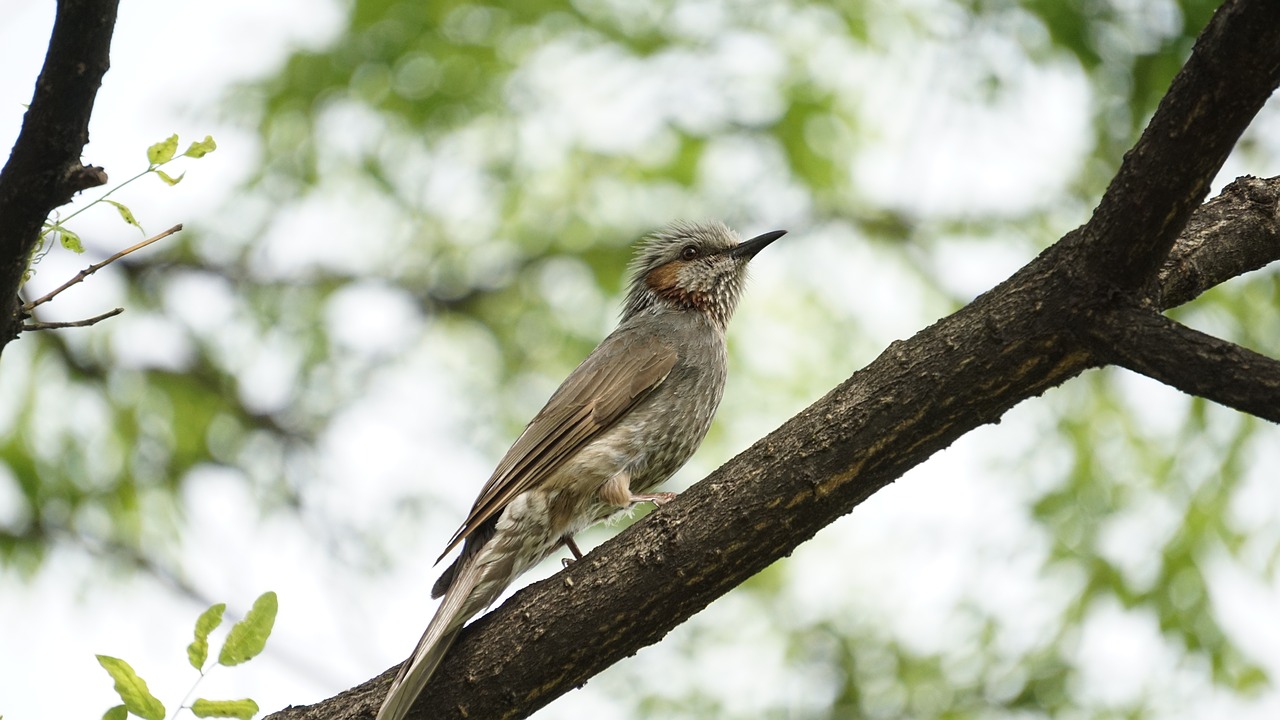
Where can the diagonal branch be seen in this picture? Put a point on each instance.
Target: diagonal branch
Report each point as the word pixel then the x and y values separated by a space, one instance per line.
pixel 1191 361
pixel 44 168
pixel 1232 70
pixel 95 267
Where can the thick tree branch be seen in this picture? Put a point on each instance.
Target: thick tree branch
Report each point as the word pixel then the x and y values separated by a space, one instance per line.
pixel 44 168
pixel 1232 70
pixel 1191 361
pixel 1014 342
pixel 1232 234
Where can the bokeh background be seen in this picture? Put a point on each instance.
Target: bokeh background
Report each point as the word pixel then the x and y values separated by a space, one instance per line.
pixel 416 224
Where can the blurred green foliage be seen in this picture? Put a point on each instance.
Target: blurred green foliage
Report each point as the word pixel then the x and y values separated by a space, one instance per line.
pixel 464 140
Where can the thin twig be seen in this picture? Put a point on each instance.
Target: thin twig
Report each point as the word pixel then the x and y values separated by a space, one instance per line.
pixel 78 323
pixel 80 276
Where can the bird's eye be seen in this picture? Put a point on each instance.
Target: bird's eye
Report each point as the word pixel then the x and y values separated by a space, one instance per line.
pixel 689 252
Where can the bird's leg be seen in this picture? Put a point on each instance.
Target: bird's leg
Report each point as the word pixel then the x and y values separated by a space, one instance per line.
pixel 573 548
pixel 658 499
pixel 617 491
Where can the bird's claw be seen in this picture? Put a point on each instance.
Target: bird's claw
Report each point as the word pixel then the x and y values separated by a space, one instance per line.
pixel 658 499
pixel 573 548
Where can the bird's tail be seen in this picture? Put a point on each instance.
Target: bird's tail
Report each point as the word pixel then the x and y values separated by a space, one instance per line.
pixel 462 600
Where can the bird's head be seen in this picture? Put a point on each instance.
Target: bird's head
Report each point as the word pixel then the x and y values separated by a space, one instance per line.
pixel 699 267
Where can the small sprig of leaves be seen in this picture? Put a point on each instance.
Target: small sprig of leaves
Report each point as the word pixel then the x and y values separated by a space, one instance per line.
pixel 158 155
pixel 245 641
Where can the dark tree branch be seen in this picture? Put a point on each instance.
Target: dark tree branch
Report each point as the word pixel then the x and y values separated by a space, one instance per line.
pixel 1232 234
pixel 1027 335
pixel 1236 232
pixel 1232 70
pixel 1191 361
pixel 44 168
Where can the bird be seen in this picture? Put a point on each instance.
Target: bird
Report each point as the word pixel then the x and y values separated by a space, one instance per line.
pixel 620 424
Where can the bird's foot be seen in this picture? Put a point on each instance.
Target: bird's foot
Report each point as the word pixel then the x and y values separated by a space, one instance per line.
pixel 658 499
pixel 573 548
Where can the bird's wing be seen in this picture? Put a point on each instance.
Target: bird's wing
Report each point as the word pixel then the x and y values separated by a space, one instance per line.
pixel 619 373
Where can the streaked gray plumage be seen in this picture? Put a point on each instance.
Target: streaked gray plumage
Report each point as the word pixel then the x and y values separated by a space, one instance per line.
pixel 623 422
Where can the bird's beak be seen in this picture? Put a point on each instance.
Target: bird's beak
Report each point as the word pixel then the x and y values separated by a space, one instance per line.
pixel 748 249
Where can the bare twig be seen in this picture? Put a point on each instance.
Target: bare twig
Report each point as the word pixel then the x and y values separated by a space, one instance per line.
pixel 80 276
pixel 77 323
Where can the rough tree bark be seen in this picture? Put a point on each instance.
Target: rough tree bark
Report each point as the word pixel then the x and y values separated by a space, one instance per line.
pixel 44 168
pixel 1092 299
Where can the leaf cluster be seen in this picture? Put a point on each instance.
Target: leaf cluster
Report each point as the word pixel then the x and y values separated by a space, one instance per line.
pixel 159 155
pixel 245 641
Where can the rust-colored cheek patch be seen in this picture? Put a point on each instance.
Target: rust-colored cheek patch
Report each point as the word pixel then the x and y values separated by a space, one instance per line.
pixel 663 277
pixel 664 281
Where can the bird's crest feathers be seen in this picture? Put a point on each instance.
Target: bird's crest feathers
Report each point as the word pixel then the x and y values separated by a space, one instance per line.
pixel 686 266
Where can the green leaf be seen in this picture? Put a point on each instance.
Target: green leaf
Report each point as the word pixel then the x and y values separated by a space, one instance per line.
pixel 119 712
pixel 243 709
pixel 132 689
pixel 125 213
pixel 249 636
pixel 201 148
pixel 162 152
pixel 171 181
pixel 209 620
pixel 70 240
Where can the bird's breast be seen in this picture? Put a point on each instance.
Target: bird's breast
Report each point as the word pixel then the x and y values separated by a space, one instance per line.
pixel 667 427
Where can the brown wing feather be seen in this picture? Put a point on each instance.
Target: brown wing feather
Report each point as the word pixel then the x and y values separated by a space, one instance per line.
pixel 624 369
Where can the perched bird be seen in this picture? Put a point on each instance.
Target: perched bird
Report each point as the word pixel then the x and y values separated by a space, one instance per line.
pixel 624 421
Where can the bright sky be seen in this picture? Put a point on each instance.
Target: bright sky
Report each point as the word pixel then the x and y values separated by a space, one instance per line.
pixel 336 629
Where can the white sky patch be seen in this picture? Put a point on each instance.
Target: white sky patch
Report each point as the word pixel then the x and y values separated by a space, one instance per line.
pixel 372 319
pixel 936 151
pixel 1121 655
